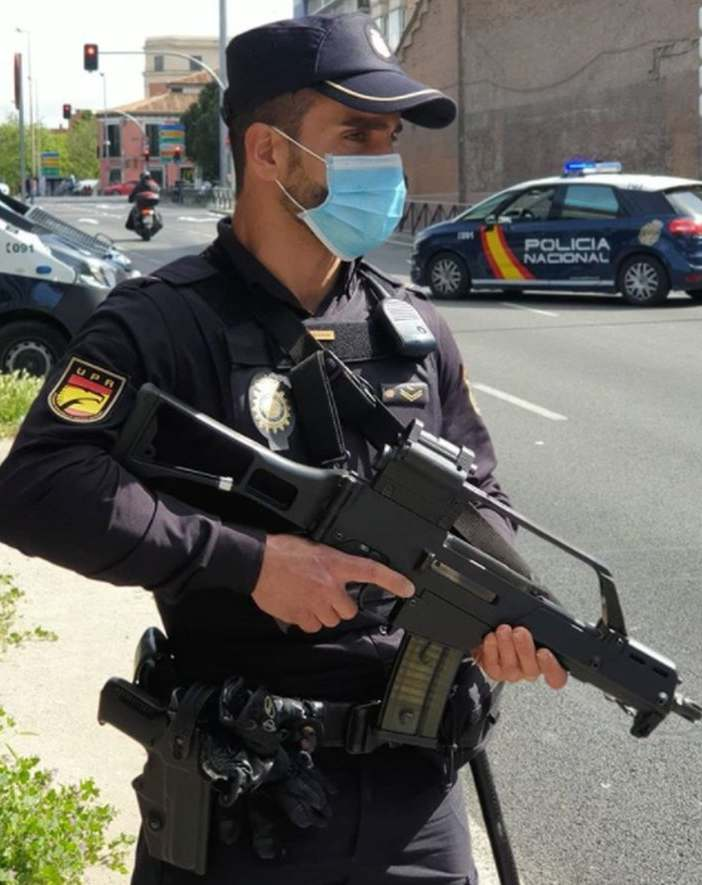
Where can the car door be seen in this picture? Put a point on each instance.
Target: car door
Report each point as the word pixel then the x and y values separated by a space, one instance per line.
pixel 505 239
pixel 589 219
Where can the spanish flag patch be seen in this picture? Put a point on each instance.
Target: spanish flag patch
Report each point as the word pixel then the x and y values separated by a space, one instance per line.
pixel 85 393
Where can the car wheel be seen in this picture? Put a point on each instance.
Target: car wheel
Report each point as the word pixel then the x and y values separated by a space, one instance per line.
pixel 643 281
pixel 448 276
pixel 32 347
pixel 695 294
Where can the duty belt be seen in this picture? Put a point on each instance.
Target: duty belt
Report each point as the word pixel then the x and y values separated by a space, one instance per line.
pixel 352 727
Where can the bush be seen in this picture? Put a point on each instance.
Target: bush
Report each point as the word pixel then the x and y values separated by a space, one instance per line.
pixel 17 392
pixel 49 833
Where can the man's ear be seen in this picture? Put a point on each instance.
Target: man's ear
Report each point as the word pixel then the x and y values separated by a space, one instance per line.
pixel 266 155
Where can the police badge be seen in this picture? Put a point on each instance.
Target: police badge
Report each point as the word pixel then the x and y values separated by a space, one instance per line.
pixel 271 408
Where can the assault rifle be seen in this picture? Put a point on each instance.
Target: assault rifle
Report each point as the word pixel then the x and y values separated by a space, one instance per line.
pixel 418 514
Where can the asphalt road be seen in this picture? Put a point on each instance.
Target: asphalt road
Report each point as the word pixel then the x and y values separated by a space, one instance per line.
pixel 596 414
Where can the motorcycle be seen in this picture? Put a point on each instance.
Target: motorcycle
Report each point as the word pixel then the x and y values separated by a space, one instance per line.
pixel 144 219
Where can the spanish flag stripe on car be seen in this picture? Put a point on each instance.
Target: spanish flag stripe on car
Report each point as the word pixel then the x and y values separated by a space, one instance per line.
pixel 503 262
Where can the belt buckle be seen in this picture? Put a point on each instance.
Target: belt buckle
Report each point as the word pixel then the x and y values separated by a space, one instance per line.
pixel 361 733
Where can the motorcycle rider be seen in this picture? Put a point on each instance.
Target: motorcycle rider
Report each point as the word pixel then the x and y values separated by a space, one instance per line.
pixel 145 183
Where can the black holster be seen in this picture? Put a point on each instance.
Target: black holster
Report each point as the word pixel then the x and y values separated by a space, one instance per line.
pixel 175 798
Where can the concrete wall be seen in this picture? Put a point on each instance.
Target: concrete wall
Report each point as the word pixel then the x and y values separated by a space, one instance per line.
pixel 429 53
pixel 546 79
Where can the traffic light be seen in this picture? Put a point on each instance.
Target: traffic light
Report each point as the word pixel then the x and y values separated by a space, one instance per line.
pixel 67 112
pixel 177 153
pixel 146 154
pixel 90 56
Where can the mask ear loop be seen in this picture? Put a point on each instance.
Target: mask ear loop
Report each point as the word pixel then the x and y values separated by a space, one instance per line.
pixel 302 146
pixel 297 143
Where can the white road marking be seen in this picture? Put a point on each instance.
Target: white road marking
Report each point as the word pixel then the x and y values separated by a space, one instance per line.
pixel 88 220
pixel 192 219
pixel 517 401
pixel 545 313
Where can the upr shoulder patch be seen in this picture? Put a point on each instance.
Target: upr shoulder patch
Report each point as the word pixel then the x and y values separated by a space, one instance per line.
pixel 85 393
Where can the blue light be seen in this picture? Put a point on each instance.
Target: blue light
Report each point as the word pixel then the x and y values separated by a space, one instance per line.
pixel 575 167
pixel 589 167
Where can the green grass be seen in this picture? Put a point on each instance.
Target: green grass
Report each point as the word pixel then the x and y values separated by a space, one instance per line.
pixel 17 392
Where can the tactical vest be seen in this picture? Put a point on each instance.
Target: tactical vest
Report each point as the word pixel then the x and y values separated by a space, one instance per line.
pixel 217 633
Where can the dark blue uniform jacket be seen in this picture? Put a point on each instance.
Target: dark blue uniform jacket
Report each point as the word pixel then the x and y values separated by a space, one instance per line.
pixel 64 498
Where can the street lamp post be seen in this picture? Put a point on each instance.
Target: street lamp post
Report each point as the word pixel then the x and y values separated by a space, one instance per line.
pixel 32 134
pixel 105 131
pixel 223 158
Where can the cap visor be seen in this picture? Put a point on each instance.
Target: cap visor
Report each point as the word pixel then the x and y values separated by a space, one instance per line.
pixel 387 92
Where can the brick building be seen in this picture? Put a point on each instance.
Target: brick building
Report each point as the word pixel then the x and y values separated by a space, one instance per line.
pixel 126 141
pixel 538 81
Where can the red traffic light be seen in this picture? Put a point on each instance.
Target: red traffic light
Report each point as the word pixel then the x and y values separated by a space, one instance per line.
pixel 90 56
pixel 67 112
pixel 146 154
pixel 177 153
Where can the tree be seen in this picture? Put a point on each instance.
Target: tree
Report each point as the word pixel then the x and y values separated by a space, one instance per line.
pixel 80 155
pixel 201 122
pixel 9 153
pixel 75 146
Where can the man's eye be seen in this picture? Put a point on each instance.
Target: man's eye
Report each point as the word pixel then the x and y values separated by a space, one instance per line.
pixel 357 135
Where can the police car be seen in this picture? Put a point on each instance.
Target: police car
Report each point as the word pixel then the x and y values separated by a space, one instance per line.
pixel 52 277
pixel 591 229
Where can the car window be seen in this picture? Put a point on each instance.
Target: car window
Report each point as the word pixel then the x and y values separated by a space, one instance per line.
pixel 686 201
pixel 483 209
pixel 533 204
pixel 589 201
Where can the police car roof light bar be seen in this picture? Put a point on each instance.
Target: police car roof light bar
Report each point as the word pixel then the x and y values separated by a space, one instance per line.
pixel 590 167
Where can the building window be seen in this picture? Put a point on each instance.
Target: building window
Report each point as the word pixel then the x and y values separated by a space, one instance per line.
pixel 115 143
pixel 194 66
pixel 158 63
pixel 152 135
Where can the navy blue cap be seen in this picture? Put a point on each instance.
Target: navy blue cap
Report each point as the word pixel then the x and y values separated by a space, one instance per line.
pixel 344 57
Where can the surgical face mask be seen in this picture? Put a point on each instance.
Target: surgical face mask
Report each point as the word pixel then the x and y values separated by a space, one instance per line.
pixel 364 204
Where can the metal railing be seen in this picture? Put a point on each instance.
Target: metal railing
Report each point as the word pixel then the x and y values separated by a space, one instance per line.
pixel 220 198
pixel 419 214
pixel 99 245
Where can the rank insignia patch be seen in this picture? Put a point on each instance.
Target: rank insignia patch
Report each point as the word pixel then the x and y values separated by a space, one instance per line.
pixel 409 393
pixel 85 393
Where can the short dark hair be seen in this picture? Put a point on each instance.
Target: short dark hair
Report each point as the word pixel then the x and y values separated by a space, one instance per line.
pixel 284 111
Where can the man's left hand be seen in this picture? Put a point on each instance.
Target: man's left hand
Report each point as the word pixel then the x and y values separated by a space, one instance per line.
pixel 509 655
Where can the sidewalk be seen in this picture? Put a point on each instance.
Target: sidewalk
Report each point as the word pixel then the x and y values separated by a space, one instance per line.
pixel 51 689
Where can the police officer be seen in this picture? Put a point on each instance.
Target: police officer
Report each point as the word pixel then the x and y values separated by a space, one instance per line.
pixel 314 108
